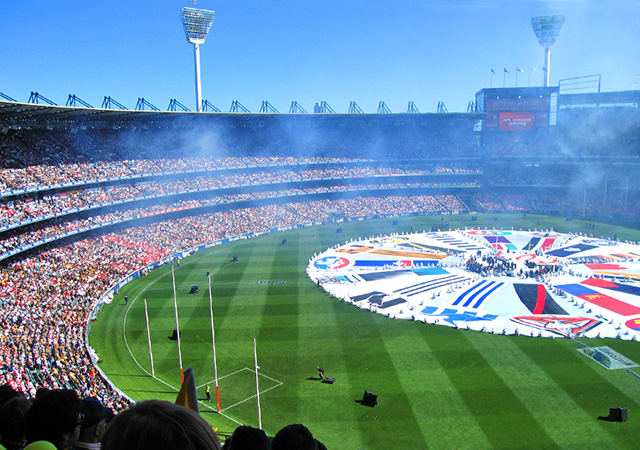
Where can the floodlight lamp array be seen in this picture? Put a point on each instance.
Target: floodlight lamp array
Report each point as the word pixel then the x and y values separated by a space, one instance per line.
pixel 196 23
pixel 547 29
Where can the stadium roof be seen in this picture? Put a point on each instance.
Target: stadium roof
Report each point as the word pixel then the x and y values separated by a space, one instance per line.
pixel 38 116
pixel 15 114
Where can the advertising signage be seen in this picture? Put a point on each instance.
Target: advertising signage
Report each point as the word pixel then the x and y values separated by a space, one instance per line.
pixel 517 104
pixel 516 121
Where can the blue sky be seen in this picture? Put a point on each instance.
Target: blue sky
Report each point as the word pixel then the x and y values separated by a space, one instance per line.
pixel 309 51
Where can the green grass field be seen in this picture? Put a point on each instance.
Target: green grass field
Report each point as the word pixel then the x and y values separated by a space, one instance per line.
pixel 437 387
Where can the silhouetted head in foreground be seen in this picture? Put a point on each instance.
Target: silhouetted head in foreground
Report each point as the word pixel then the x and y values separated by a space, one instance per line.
pixel 295 437
pixel 157 424
pixel 248 438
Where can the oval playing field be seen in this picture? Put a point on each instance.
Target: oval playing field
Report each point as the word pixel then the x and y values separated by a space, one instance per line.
pixel 437 386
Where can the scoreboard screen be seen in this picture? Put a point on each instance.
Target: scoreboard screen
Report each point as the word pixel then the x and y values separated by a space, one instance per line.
pixel 518 109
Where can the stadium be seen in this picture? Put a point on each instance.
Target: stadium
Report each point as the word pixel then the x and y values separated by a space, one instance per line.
pixel 124 232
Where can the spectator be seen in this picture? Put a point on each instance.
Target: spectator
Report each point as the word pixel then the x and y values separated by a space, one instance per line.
pixel 96 421
pixel 13 414
pixel 7 393
pixel 55 417
pixel 157 424
pixel 295 437
pixel 248 438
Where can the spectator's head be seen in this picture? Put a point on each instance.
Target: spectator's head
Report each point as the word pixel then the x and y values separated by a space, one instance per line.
pixel 157 424
pixel 55 416
pixel 13 414
pixel 294 437
pixel 248 438
pixel 96 419
pixel 7 393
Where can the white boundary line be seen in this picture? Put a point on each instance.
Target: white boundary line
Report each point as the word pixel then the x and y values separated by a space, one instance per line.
pixel 278 384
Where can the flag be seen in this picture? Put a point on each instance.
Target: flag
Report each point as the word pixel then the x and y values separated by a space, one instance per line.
pixel 519 69
pixel 506 70
pixel 493 71
pixel 187 396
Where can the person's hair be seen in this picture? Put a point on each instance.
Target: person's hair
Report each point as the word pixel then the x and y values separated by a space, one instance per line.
pixel 294 437
pixel 54 416
pixel 157 424
pixel 248 438
pixel 13 416
pixel 7 393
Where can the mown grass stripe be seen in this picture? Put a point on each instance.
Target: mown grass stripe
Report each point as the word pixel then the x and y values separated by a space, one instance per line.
pixel 503 418
pixel 445 421
pixel 587 383
pixel 564 420
pixel 372 369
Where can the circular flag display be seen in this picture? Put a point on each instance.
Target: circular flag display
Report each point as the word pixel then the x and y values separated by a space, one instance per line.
pixel 634 324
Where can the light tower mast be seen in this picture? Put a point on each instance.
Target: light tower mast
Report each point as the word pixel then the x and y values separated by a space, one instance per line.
pixel 547 29
pixel 197 23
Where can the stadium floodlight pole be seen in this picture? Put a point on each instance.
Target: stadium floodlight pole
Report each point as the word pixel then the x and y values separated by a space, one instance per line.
pixel 547 29
pixel 175 307
pixel 197 23
pixel 213 339
pixel 146 315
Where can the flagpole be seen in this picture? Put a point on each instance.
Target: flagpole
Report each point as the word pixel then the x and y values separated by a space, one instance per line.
pixel 146 315
pixel 255 356
pixel 213 340
pixel 175 306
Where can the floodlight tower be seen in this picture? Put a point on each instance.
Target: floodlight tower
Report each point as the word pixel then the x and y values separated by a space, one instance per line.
pixel 547 29
pixel 197 23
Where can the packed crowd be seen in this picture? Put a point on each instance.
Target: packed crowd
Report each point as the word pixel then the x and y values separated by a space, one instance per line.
pixel 37 159
pixel 564 202
pixel 64 419
pixel 14 211
pixel 23 236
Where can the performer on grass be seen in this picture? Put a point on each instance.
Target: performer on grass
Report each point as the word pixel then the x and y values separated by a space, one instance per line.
pixel 321 372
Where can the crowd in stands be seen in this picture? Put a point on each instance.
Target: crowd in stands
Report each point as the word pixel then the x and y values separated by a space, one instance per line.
pixel 36 159
pixel 13 211
pixel 21 236
pixel 554 202
pixel 72 175
pixel 64 419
